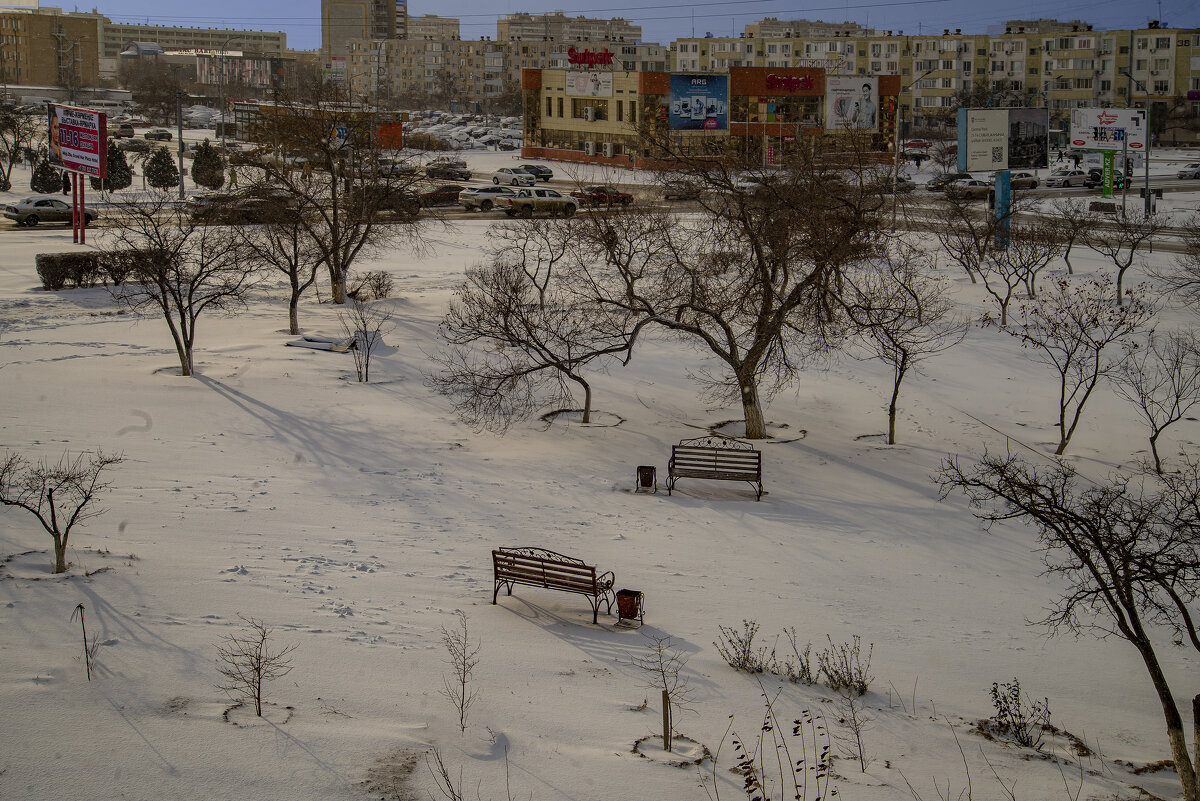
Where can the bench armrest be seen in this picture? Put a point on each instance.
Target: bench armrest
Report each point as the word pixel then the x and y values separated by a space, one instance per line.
pixel 605 581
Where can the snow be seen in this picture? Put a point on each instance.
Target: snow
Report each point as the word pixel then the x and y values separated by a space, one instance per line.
pixel 356 519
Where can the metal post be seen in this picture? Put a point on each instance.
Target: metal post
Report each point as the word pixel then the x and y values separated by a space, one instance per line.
pixel 75 208
pixel 179 120
pixel 1125 174
pixel 1149 147
pixel 82 211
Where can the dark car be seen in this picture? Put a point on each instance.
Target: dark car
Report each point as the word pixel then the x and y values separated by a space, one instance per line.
pixel 602 196
pixel 682 189
pixel 124 130
pixel 446 195
pixel 537 171
pixel 448 172
pixel 939 183
pixel 1095 179
pixel 161 134
pixel 249 207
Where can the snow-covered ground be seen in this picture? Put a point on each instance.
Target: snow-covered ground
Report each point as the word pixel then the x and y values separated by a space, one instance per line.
pixel 356 519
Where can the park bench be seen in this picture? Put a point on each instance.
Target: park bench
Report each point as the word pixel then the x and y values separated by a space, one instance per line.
pixel 537 567
pixel 717 458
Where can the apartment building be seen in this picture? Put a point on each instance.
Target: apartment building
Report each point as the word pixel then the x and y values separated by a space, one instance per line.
pixel 431 26
pixel 772 28
pixel 561 28
pixel 345 21
pixel 45 47
pixel 115 35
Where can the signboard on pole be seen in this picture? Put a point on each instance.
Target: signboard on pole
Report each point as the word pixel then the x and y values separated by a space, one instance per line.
pixel 851 103
pixel 78 139
pixel 699 103
pixel 982 139
pixel 1108 129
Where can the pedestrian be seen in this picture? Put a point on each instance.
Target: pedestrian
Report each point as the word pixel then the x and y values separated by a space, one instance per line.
pixel 232 177
pixel 66 183
pixel 1077 160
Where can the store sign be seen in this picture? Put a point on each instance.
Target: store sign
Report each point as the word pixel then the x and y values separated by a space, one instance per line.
pixel 851 103
pixel 789 83
pixel 78 140
pixel 589 58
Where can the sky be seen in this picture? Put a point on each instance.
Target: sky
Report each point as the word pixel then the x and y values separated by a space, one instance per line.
pixel 666 20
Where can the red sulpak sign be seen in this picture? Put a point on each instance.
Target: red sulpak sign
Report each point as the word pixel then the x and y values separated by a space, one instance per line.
pixel 789 82
pixel 589 58
pixel 78 140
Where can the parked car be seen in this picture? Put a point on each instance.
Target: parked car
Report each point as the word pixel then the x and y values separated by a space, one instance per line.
pixel 161 134
pixel 967 188
pixel 1189 170
pixel 1066 178
pixel 537 171
pixel 511 176
pixel 916 144
pixel 248 207
pixel 483 198
pixel 602 196
pixel 682 190
pixel 939 183
pixel 527 202
pixel 124 130
pixel 34 210
pixel 903 184
pixel 447 172
pixel 1024 180
pixel 1095 178
pixel 445 195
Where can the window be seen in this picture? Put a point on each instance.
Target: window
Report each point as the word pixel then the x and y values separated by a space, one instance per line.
pixel 560 107
pixel 1141 44
pixel 1162 43
pixel 549 107
pixel 876 50
pixel 947 64
pixel 633 111
pixel 876 66
pixel 1140 64
pixel 1105 85
pixel 997 66
pixel 1162 87
pixel 1083 83
pixel 1162 64
pixel 947 83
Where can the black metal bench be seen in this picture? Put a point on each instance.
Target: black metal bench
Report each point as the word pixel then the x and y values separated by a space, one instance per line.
pixel 717 458
pixel 537 567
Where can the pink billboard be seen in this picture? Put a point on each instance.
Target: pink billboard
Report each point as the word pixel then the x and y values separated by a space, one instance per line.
pixel 78 139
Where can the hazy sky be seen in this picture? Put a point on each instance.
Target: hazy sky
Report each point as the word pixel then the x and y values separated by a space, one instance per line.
pixel 666 20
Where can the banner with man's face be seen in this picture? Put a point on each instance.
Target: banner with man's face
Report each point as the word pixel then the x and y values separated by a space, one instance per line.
pixel 77 139
pixel 851 103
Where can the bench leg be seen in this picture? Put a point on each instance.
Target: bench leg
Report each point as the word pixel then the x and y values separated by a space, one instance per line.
pixel 500 583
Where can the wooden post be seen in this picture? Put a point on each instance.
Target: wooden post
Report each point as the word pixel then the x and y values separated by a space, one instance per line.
pixel 666 705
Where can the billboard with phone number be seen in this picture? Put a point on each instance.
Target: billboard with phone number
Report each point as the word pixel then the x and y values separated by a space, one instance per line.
pixel 78 140
pixel 699 103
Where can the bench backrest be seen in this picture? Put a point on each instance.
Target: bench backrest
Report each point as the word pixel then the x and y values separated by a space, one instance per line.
pixel 544 569
pixel 692 458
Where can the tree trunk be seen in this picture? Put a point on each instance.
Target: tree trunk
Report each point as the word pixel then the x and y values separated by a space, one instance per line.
pixel 901 369
pixel 1154 451
pixel 1175 733
pixel 337 284
pixel 60 554
pixel 293 315
pixel 756 428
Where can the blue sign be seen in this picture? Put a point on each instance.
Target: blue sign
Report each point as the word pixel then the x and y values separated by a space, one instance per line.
pixel 699 103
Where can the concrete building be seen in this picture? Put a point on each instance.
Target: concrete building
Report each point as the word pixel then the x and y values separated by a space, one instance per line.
pixel 431 26
pixel 46 47
pixel 772 28
pixel 115 35
pixel 345 21
pixel 558 27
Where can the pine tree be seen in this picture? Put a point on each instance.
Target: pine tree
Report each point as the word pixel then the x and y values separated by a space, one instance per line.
pixel 161 172
pixel 119 174
pixel 45 178
pixel 208 169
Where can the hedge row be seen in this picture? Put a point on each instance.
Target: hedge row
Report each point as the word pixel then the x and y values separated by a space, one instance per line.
pixel 80 270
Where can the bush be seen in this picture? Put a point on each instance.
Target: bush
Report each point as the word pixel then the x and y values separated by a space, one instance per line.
pixel 737 648
pixel 46 178
pixel 161 172
pixel 843 667
pixel 62 270
pixel 208 170
pixel 119 174
pixel 372 286
pixel 1026 723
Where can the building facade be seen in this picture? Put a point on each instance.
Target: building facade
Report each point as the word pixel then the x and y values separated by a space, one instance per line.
pixel 560 28
pixel 49 49
pixel 115 35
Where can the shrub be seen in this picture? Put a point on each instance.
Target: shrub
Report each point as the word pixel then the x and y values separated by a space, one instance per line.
pixel 1026 723
pixel 161 172
pixel 737 648
pixel 45 178
pixel 62 270
pixel 208 170
pixel 843 667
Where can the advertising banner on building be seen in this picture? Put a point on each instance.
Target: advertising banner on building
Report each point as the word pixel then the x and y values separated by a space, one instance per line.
pixel 851 103
pixel 699 102
pixel 1108 129
pixel 1028 138
pixel 982 139
pixel 589 84
pixel 78 139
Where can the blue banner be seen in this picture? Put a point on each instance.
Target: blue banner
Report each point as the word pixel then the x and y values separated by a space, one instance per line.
pixel 699 103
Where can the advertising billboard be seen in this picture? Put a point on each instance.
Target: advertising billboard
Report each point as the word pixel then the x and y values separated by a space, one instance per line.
pixel 851 103
pixel 1108 129
pixel 982 139
pixel 1028 138
pixel 589 84
pixel 77 140
pixel 699 103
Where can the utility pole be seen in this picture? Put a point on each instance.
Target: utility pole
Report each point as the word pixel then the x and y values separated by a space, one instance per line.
pixel 179 121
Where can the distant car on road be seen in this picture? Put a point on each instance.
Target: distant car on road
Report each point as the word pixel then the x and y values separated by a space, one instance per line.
pixel 939 183
pixel 527 202
pixel 34 210
pixel 1095 179
pixel 161 134
pixel 1066 178
pixel 124 130
pixel 447 172
pixel 537 171
pixel 1024 180
pixel 602 196
pixel 968 188
pixel 1189 171
pixel 510 176
pixel 483 198
pixel 445 195
pixel 916 144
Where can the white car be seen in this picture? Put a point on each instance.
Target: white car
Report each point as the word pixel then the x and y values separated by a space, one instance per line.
pixel 1189 171
pixel 484 198
pixel 1066 178
pixel 510 176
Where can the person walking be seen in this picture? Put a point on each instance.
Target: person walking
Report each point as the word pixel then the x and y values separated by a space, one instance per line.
pixel 232 177
pixel 66 183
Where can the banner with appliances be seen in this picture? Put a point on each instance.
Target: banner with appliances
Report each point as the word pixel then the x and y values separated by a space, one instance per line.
pixel 699 103
pixel 78 139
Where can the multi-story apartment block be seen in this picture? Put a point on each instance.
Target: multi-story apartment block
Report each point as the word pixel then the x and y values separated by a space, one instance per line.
pixel 431 26
pixel 45 47
pixel 772 28
pixel 345 21
pixel 115 35
pixel 560 28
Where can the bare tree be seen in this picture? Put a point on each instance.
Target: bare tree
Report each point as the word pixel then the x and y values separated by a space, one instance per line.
pixel 966 235
pixel 1071 328
pixel 662 664
pixel 1162 380
pixel 904 316
pixel 537 245
pixel 178 265
pixel 283 246
pixel 1073 221
pixel 463 656
pixel 1183 277
pixel 510 347
pixel 18 132
pixel 248 662
pixel 1126 550
pixel 60 495
pixel 1120 239
pixel 366 322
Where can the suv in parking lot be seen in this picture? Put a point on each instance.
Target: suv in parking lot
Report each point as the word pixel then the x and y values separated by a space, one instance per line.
pixel 124 130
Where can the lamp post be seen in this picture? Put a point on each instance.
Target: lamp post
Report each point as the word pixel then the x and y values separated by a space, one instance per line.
pixel 221 84
pixel 896 144
pixel 1149 135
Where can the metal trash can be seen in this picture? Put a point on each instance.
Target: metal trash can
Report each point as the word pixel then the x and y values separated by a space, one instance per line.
pixel 647 479
pixel 629 606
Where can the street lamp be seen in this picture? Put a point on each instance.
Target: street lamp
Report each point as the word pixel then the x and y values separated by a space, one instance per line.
pixel 1149 137
pixel 221 84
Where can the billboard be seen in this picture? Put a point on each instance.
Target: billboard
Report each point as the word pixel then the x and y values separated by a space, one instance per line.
pixel 699 103
pixel 1108 128
pixel 589 84
pixel 1003 139
pixel 851 103
pixel 1028 138
pixel 77 139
